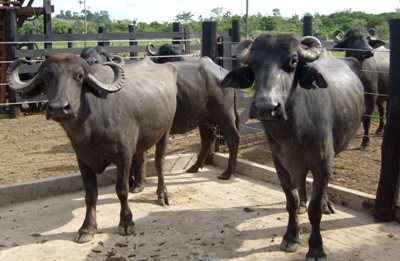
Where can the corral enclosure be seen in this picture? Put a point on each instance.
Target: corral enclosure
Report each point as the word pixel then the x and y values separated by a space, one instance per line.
pixel 219 46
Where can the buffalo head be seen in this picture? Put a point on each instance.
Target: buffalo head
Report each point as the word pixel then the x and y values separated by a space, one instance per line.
pixel 171 52
pixel 65 77
pixel 276 65
pixel 358 43
pixel 99 54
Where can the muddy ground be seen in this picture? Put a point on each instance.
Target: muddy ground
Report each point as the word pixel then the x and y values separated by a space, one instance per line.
pixel 33 148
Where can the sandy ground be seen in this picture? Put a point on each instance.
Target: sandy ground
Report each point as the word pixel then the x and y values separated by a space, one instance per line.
pixel 241 219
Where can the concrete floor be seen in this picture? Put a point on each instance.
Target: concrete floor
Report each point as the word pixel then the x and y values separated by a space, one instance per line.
pixel 209 219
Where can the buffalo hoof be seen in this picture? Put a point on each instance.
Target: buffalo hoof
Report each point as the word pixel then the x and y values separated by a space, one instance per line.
pixel 192 169
pixel 136 189
pixel 288 246
pixel 225 176
pixel 328 208
pixel 364 147
pixel 163 199
pixel 83 237
pixel 302 209
pixel 316 255
pixel 128 229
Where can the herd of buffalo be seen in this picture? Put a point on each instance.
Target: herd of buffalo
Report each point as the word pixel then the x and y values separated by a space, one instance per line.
pixel 309 102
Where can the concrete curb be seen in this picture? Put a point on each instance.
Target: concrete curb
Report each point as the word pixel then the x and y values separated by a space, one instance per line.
pixel 347 197
pixel 24 191
pixel 29 190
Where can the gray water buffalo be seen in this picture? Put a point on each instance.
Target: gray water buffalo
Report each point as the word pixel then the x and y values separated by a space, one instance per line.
pixel 110 114
pixel 374 58
pixel 99 54
pixel 310 104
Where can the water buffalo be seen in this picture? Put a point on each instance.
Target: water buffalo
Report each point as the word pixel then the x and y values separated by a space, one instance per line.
pixel 170 53
pixel 310 104
pixel 99 54
pixel 110 114
pixel 200 103
pixel 374 58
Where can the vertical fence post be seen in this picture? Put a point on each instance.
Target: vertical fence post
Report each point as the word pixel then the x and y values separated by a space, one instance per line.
pixel 70 44
pixel 388 187
pixel 103 30
pixel 131 29
pixel 11 31
pixel 176 27
pixel 47 21
pixel 209 40
pixel 307 26
pixel 235 39
pixel 186 37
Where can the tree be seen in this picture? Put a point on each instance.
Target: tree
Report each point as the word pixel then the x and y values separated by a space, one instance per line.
pixel 184 17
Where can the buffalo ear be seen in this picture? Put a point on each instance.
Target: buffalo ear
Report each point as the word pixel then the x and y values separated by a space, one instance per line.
pixel 310 78
pixel 376 43
pixel 242 78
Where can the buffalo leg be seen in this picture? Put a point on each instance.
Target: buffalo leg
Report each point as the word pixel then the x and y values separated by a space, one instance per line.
pixel 316 251
pixel 138 173
pixel 291 240
pixel 369 109
pixel 232 138
pixel 126 225
pixel 161 150
pixel 89 226
pixel 207 135
pixel 381 126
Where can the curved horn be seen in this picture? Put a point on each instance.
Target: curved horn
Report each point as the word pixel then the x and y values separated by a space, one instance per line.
pixel 336 37
pixel 149 48
pixel 242 51
pixel 314 49
pixel 116 85
pixel 15 82
pixel 117 59
pixel 373 34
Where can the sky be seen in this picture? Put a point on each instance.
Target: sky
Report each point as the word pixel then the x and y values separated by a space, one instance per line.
pixel 166 10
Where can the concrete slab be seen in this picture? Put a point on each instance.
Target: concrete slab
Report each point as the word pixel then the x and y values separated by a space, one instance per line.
pixel 209 219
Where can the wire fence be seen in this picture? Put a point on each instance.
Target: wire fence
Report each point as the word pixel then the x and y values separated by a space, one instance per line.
pixel 32 147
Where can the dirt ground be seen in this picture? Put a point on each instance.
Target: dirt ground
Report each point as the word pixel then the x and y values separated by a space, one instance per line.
pixel 33 148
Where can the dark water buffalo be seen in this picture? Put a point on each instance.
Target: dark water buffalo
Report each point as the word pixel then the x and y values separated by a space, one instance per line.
pixel 202 103
pixel 374 58
pixel 310 104
pixel 99 54
pixel 110 114
pixel 170 53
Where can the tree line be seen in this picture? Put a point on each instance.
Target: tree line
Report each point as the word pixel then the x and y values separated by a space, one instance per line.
pixel 323 25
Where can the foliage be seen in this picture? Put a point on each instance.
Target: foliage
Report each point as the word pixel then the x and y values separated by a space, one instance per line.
pixel 323 25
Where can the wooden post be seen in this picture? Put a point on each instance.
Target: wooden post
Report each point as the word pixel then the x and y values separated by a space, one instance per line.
pixel 388 187
pixel 11 31
pixel 131 29
pixel 103 30
pixel 236 39
pixel 307 26
pixel 47 21
pixel 209 40
pixel 186 44
pixel 70 44
pixel 176 27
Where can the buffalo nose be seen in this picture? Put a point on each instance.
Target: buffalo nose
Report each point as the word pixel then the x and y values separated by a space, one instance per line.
pixel 264 110
pixel 58 108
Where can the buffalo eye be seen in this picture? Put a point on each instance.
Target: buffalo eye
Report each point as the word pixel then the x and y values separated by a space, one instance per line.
pixel 79 77
pixel 103 54
pixel 293 62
